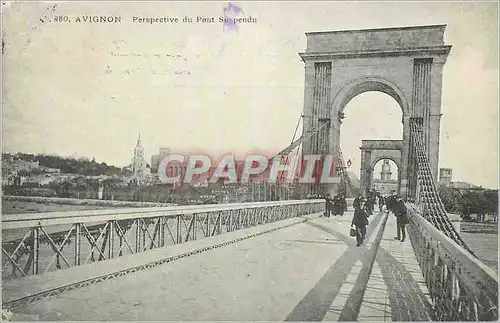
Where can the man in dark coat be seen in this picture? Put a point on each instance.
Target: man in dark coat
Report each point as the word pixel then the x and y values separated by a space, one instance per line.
pixel 328 206
pixel 356 202
pixel 389 203
pixel 380 203
pixel 344 204
pixel 360 221
pixel 369 205
pixel 400 212
pixel 337 206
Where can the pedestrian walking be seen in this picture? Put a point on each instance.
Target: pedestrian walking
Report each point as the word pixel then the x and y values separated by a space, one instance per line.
pixel 328 205
pixel 337 206
pixel 380 203
pixel 401 213
pixel 344 204
pixel 389 203
pixel 369 206
pixel 356 202
pixel 360 221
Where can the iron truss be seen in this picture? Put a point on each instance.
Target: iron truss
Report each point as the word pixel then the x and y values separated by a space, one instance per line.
pixel 114 238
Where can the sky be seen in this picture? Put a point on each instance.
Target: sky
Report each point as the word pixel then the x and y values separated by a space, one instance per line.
pixel 88 89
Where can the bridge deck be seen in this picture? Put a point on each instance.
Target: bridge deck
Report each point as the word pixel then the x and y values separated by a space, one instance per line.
pixel 310 271
pixel 396 290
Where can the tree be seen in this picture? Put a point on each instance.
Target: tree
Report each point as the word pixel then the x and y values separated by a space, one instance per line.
pixel 491 199
pixel 64 189
pixel 81 166
pixel 451 199
pixel 479 202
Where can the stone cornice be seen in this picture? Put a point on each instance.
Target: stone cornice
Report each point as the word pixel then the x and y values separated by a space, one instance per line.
pixel 369 145
pixel 322 56
pixel 438 26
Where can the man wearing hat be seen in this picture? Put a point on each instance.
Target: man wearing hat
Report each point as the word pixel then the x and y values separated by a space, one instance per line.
pixel 400 212
pixel 356 201
pixel 360 220
pixel 390 203
pixel 328 205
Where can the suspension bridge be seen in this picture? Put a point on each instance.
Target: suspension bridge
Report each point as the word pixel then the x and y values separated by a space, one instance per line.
pixel 274 260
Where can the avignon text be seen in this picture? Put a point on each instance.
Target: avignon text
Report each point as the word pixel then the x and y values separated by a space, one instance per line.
pixel 99 19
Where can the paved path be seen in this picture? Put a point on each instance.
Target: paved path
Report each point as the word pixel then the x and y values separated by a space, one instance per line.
pixel 396 290
pixel 307 272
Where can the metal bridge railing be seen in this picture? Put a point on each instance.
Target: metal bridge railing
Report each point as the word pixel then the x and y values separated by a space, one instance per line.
pixel 461 287
pixel 37 243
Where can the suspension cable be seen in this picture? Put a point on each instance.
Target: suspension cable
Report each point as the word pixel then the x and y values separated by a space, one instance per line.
pixel 429 200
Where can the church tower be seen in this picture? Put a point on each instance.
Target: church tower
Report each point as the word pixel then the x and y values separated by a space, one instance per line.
pixel 139 168
pixel 385 174
pixel 139 150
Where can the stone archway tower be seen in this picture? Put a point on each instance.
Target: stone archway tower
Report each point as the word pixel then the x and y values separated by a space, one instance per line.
pixel 372 151
pixel 405 63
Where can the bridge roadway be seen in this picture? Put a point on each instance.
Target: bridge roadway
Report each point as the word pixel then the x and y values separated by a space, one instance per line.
pixel 309 271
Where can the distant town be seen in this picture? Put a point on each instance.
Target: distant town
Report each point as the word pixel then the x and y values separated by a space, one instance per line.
pixel 82 178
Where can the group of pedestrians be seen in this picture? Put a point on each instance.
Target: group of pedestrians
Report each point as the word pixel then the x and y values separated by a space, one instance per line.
pixel 336 205
pixel 363 208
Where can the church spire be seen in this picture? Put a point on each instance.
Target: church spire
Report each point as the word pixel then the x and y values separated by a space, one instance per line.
pixel 139 139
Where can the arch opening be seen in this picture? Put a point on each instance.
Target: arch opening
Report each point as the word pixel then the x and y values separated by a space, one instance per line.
pixel 386 176
pixel 377 163
pixel 371 115
pixel 370 84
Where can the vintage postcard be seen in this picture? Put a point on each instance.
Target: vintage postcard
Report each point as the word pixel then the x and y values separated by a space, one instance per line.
pixel 249 161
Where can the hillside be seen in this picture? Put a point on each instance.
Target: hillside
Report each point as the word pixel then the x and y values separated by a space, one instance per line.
pixel 65 164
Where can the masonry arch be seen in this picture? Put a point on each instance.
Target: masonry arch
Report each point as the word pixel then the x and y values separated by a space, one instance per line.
pixel 383 156
pixel 367 84
pixel 369 115
pixel 404 62
pixel 348 91
pixel 372 151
